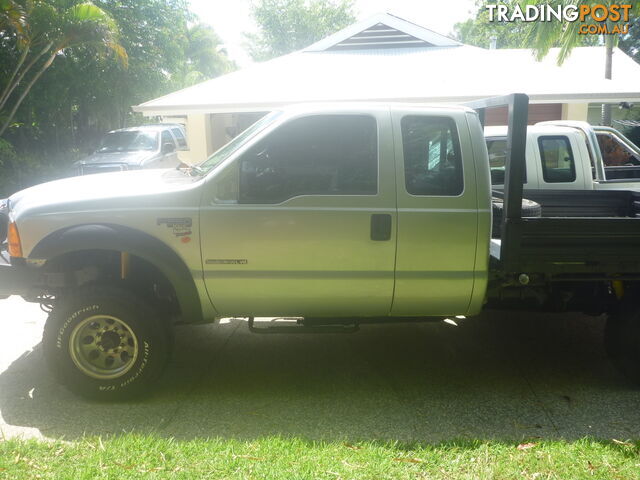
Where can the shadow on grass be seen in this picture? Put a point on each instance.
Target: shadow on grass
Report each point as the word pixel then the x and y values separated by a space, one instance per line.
pixel 503 377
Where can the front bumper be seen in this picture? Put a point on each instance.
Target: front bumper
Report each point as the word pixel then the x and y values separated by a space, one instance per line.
pixel 17 278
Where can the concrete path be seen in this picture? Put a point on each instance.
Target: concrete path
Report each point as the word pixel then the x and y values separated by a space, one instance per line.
pixel 501 376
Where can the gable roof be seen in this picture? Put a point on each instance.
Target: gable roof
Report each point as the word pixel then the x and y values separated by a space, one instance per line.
pixel 382 31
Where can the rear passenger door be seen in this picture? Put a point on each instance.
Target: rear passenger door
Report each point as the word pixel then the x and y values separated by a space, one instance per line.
pixel 437 213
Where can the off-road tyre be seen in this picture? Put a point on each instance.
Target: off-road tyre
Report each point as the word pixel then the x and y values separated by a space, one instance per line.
pixel 106 343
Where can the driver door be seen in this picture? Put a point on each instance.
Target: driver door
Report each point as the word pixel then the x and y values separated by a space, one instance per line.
pixel 301 224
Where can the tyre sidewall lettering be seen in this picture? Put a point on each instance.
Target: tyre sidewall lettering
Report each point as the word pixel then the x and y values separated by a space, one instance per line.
pixel 70 319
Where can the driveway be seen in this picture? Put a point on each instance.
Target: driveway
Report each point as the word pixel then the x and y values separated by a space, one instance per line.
pixel 502 376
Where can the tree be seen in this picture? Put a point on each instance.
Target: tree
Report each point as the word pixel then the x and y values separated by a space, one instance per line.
pixel 544 35
pixel 480 32
pixel 39 32
pixel 285 26
pixel 630 43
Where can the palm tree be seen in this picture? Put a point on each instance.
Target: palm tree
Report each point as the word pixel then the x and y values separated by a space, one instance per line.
pixel 40 32
pixel 544 35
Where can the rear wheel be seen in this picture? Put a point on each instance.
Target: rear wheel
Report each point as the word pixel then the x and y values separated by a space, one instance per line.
pixel 106 343
pixel 622 340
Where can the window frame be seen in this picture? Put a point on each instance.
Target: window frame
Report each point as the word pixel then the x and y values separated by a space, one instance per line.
pixel 457 146
pixel 543 166
pixel 177 138
pixel 376 129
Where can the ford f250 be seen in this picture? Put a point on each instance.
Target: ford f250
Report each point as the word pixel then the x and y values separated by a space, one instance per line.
pixel 336 214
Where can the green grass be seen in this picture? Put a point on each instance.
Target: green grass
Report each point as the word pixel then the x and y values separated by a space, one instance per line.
pixel 135 456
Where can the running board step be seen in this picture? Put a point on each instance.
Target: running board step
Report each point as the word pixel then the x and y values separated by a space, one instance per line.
pixel 297 326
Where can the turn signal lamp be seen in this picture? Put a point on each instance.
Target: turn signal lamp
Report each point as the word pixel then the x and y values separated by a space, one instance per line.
pixel 13 240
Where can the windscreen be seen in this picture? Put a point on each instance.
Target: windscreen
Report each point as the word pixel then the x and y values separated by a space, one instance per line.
pixel 129 141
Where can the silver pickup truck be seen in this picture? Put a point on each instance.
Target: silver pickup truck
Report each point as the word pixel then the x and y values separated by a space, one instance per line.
pixel 337 215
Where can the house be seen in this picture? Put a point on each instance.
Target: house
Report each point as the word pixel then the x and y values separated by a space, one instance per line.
pixel 386 58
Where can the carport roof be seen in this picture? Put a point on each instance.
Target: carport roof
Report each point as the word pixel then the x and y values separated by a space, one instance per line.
pixel 438 70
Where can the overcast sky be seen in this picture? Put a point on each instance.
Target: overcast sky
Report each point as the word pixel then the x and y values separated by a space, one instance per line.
pixel 231 18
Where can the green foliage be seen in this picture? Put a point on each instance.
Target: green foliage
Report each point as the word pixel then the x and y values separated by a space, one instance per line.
pixel 541 36
pixel 479 31
pixel 630 43
pixel 285 26
pixel 84 92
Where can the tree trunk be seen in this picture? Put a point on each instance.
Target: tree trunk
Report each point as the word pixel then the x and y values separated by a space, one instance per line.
pixel 12 85
pixel 608 67
pixel 35 78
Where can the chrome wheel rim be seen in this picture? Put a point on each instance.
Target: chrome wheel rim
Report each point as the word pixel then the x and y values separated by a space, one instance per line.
pixel 103 347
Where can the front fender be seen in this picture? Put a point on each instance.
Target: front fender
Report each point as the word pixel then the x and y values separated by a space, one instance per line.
pixel 126 239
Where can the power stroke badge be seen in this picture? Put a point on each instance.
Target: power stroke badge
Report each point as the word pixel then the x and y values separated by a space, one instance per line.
pixel 180 226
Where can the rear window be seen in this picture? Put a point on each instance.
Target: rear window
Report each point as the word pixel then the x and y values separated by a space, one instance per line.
pixel 558 164
pixel 432 160
pixel 497 148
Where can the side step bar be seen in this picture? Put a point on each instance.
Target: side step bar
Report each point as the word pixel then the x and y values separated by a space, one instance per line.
pixel 297 325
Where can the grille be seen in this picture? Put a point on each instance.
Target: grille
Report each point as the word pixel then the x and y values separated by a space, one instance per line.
pixel 101 168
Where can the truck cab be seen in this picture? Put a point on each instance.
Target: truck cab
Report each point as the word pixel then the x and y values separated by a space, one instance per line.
pixel 570 155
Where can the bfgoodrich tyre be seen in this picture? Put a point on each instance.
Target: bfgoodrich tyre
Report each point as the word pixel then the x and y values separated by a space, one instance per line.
pixel 106 343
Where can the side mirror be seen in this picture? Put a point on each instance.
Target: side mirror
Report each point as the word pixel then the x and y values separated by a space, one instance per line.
pixel 168 147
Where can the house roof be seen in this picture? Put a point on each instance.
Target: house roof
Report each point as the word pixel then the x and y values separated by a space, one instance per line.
pixel 438 70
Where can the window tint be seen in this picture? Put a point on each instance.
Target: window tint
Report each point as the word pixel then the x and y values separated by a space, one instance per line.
pixel 317 155
pixel 432 160
pixel 497 148
pixel 167 138
pixel 182 142
pixel 558 165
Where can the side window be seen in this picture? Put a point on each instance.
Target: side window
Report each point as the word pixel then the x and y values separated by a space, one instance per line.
pixel 432 160
pixel 558 165
pixel 166 138
pixel 182 141
pixel 497 148
pixel 316 155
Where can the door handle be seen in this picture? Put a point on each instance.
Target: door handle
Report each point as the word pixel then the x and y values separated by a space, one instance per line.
pixel 380 227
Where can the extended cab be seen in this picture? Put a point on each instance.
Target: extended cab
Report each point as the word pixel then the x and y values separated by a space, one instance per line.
pixel 570 155
pixel 336 214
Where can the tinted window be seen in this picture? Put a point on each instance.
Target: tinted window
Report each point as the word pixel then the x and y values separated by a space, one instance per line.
pixel 558 165
pixel 497 148
pixel 432 160
pixel 167 138
pixel 128 141
pixel 318 155
pixel 182 142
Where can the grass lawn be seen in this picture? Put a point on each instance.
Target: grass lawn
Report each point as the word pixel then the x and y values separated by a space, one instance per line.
pixel 135 456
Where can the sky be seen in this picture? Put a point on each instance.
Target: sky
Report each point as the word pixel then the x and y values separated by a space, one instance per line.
pixel 231 18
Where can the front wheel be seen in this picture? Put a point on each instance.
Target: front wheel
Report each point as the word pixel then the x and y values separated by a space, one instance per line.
pixel 622 340
pixel 106 343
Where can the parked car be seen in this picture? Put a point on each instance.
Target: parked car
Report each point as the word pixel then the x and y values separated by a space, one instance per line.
pixel 147 146
pixel 338 214
pixel 569 155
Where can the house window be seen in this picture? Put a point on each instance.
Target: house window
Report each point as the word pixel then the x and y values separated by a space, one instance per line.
pixel 432 160
pixel 315 155
pixel 558 165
